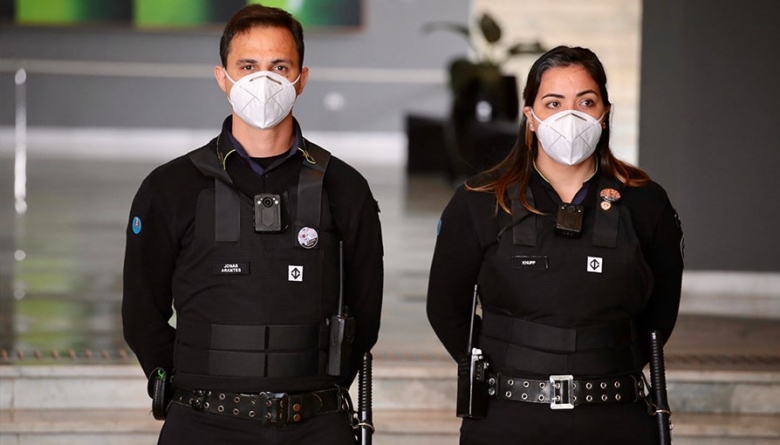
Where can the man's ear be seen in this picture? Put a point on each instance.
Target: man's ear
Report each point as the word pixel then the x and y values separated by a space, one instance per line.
pixel 222 80
pixel 302 81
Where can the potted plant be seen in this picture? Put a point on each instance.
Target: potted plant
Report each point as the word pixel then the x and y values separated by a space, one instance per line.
pixel 479 86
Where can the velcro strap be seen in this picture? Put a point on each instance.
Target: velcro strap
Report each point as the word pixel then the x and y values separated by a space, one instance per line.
pixel 524 359
pixel 252 337
pixel 550 338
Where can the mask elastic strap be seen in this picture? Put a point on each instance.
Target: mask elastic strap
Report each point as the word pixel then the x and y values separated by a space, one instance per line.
pixel 224 70
pixel 535 116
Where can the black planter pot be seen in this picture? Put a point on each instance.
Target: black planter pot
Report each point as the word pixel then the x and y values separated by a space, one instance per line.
pixel 483 124
pixel 490 97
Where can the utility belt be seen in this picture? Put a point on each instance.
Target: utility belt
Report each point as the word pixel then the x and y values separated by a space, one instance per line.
pixel 269 408
pixel 564 392
pixel 536 349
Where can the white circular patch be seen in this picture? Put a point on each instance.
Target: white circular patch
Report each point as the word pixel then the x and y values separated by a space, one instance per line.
pixel 308 237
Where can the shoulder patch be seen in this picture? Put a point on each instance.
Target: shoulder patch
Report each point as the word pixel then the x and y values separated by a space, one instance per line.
pixel 136 225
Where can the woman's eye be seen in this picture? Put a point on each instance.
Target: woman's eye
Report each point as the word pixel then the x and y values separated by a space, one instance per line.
pixel 552 104
pixel 587 103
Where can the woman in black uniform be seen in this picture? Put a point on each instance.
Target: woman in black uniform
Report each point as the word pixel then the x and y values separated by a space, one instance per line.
pixel 577 256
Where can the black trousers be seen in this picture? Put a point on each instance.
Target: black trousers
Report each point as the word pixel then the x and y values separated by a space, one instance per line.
pixel 183 425
pixel 510 422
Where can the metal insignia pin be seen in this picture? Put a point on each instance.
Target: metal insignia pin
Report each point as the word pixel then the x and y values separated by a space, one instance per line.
pixel 608 196
pixel 308 237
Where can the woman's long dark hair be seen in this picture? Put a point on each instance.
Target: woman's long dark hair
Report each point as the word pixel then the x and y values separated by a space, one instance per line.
pixel 517 167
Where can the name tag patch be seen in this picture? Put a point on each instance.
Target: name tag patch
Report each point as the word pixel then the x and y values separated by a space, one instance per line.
pixel 231 268
pixel 294 273
pixel 594 264
pixel 529 262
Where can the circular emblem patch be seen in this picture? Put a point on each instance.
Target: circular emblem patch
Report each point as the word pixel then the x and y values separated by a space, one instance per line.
pixel 608 196
pixel 308 237
pixel 136 225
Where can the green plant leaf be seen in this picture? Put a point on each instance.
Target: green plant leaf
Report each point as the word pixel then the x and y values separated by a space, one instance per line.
pixel 526 48
pixel 445 26
pixel 490 29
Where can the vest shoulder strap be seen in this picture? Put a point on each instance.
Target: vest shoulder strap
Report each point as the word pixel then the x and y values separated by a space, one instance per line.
pixel 605 228
pixel 315 163
pixel 524 224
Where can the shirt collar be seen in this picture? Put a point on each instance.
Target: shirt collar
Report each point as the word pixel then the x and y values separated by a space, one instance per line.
pixel 581 194
pixel 227 125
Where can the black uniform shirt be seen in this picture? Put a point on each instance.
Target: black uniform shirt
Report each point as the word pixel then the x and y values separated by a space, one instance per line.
pixel 165 206
pixel 469 227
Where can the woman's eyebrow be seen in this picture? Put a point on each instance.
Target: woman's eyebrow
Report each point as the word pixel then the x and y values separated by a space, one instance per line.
pixel 582 93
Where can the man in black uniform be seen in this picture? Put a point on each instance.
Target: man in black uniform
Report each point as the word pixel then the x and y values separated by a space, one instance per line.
pixel 242 238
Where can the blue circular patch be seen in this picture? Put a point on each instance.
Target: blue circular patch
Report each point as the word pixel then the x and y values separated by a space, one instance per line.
pixel 136 225
pixel 438 228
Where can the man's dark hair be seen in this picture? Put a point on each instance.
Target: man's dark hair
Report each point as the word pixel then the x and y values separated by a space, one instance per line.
pixel 259 15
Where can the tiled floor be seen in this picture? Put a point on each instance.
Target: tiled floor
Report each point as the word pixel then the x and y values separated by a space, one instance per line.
pixel 62 261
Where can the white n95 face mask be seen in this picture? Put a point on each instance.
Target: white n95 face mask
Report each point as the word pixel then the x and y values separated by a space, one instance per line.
pixel 569 136
pixel 262 99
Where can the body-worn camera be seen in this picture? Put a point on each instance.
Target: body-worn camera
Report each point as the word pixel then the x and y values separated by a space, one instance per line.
pixel 569 220
pixel 268 214
pixel 472 385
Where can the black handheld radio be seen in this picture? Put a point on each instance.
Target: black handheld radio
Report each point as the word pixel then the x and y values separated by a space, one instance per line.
pixel 342 329
pixel 472 376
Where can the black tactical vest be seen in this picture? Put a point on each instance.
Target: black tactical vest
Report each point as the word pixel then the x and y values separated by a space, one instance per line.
pixel 558 305
pixel 252 306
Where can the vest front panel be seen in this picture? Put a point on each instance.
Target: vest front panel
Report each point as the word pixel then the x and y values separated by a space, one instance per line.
pixel 254 309
pixel 567 283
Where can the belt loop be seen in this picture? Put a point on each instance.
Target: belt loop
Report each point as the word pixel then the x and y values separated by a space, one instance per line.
pixel 294 408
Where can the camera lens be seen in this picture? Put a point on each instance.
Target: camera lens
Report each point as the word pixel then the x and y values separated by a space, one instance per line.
pixel 268 202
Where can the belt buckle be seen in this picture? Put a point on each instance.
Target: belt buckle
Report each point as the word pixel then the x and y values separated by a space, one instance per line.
pixel 275 410
pixel 561 387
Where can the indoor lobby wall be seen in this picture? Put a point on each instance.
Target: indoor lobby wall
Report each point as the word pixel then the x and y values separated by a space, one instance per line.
pixel 707 100
pixel 611 28
pixel 122 81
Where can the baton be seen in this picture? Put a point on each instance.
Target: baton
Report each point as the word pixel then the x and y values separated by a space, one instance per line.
pixel 365 421
pixel 658 381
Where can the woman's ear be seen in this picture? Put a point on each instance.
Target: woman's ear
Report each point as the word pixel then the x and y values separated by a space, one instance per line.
pixel 529 118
